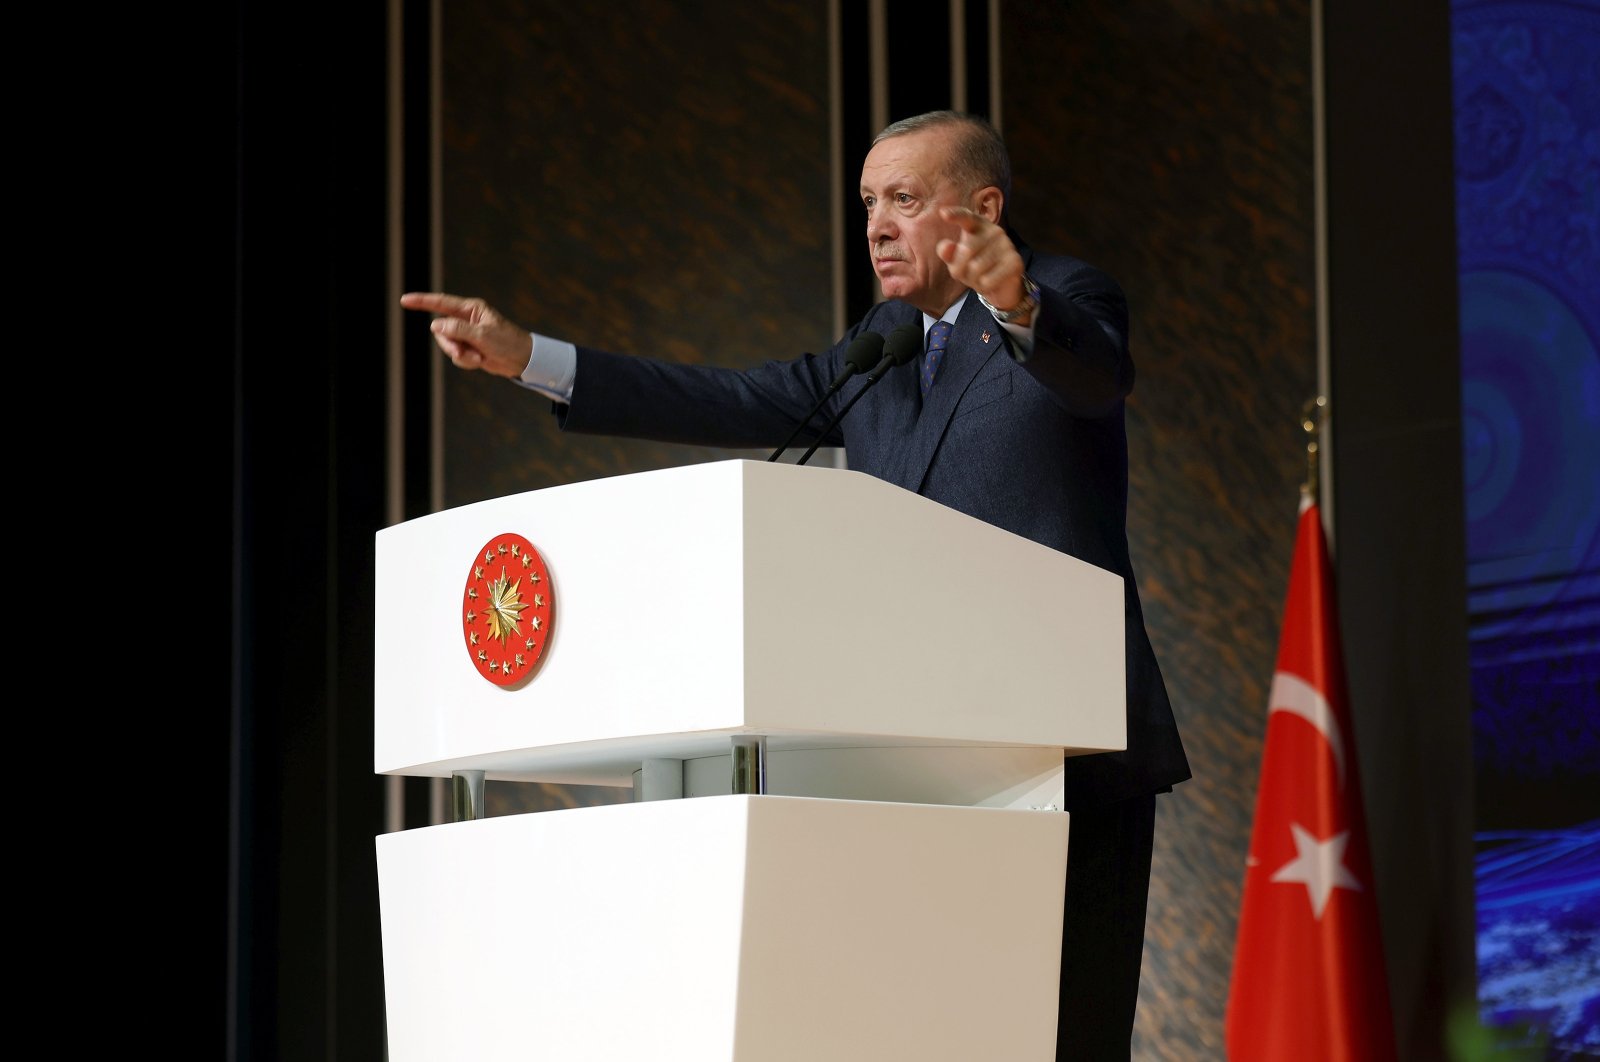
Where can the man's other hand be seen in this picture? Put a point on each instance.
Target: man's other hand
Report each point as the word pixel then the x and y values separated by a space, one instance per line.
pixel 983 258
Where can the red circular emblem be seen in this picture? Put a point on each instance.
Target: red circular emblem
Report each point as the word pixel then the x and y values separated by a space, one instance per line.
pixel 507 610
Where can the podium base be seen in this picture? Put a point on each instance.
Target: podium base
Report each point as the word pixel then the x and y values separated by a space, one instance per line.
pixel 746 928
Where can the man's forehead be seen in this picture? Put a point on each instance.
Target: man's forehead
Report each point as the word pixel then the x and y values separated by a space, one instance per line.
pixel 908 157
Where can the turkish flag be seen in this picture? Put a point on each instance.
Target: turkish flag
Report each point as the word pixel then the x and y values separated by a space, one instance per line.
pixel 1308 974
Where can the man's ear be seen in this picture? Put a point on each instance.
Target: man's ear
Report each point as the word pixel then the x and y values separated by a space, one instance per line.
pixel 990 202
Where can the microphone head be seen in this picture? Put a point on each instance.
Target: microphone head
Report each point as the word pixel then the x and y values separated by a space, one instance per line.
pixel 863 352
pixel 903 344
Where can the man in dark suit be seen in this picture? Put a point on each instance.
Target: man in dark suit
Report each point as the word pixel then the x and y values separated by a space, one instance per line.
pixel 1017 420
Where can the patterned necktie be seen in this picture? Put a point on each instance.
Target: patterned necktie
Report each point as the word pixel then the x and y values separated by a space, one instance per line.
pixel 938 336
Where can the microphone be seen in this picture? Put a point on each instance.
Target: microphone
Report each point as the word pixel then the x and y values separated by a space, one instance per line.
pixel 860 356
pixel 903 344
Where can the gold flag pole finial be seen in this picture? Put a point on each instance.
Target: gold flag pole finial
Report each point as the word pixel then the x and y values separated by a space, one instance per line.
pixel 1311 418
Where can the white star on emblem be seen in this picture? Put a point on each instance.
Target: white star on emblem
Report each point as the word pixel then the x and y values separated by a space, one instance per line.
pixel 1319 866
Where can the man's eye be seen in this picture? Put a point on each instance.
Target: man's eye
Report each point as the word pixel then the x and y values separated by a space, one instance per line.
pixel 902 198
pixel 868 201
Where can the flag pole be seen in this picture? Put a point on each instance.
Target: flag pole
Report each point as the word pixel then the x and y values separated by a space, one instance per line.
pixel 1311 418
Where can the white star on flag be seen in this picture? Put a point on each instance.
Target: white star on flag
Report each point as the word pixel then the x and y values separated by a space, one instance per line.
pixel 1319 866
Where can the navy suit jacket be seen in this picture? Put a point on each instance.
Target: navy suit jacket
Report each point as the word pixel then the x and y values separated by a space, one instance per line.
pixel 1035 446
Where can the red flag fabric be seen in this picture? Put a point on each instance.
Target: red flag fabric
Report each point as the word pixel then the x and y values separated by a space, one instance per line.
pixel 1308 975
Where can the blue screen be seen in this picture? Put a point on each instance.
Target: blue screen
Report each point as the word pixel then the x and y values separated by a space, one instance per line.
pixel 1526 83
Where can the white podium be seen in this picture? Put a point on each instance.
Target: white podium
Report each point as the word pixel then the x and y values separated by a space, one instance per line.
pixel 862 699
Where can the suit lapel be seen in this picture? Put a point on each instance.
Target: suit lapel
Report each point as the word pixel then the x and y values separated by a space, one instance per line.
pixel 975 339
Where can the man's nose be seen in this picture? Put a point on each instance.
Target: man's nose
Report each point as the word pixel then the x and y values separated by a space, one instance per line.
pixel 879 227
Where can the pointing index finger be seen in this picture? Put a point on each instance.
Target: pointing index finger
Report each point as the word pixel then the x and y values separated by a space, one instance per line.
pixel 435 302
pixel 969 220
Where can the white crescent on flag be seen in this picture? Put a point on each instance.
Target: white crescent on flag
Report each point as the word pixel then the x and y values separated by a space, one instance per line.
pixel 1293 694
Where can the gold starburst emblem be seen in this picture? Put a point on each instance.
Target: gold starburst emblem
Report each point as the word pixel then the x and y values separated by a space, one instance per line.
pixel 505 608
pixel 506 630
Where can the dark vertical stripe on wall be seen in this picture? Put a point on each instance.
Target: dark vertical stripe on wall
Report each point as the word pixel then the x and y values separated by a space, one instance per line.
pixel 417 400
pixel 861 284
pixel 975 28
pixel 417 104
pixel 919 57
pixel 1399 534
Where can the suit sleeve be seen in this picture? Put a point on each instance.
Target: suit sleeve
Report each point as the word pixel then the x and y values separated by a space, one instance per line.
pixel 702 405
pixel 1080 339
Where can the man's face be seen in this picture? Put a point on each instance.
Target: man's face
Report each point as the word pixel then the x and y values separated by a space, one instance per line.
pixel 903 184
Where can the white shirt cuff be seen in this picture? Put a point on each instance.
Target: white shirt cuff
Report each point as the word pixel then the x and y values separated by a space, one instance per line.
pixel 552 367
pixel 1022 335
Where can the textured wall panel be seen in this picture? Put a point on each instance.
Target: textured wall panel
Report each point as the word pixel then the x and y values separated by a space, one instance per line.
pixel 652 179
pixel 1171 144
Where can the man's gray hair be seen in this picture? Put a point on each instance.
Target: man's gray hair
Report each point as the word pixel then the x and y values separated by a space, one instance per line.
pixel 980 158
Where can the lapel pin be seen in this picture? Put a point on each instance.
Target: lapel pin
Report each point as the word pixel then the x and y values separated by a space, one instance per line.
pixel 986 337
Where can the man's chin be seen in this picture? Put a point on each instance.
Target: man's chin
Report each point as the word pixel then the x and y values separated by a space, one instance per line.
pixel 894 288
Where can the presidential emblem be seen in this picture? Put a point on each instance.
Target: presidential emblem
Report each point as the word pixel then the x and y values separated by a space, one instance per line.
pixel 506 610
